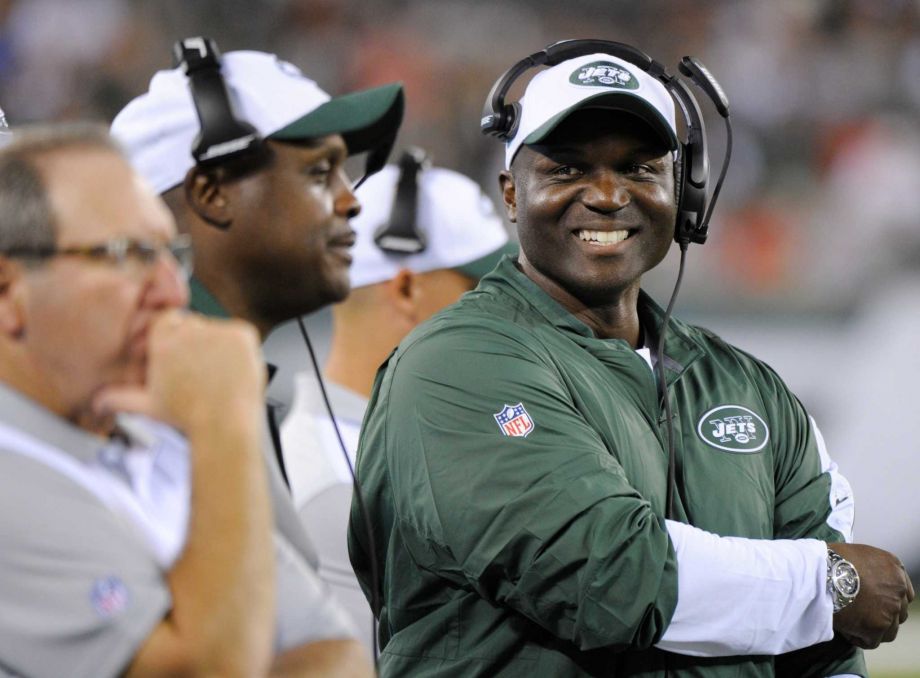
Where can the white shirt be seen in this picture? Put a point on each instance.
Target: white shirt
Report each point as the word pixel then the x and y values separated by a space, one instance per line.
pixel 321 484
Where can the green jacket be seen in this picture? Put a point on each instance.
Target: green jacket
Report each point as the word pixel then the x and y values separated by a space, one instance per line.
pixel 534 545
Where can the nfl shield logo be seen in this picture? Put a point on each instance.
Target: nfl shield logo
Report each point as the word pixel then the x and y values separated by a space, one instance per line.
pixel 109 596
pixel 513 420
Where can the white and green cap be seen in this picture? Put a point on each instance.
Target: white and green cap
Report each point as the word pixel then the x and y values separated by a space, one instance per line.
pixel 158 128
pixel 462 229
pixel 591 81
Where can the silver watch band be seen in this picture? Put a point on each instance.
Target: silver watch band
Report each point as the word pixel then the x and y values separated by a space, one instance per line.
pixel 842 580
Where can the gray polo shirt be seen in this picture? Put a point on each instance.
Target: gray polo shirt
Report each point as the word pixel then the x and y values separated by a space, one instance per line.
pixel 86 541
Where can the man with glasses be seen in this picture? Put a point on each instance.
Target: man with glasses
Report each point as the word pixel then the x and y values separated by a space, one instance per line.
pixel 136 529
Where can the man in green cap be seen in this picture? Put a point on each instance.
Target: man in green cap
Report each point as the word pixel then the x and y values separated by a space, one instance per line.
pixel 269 227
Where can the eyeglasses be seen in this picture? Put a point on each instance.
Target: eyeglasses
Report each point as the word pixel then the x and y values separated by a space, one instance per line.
pixel 117 251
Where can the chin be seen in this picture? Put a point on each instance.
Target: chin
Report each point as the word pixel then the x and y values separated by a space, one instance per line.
pixel 134 374
pixel 336 289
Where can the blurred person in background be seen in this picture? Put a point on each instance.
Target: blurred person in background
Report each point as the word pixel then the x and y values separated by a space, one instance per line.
pixel 135 519
pixel 269 227
pixel 425 236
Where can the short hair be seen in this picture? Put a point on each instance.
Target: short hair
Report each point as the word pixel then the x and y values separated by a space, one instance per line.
pixel 27 220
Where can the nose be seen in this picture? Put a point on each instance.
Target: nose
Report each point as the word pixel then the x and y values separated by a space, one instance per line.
pixel 346 203
pixel 607 192
pixel 167 286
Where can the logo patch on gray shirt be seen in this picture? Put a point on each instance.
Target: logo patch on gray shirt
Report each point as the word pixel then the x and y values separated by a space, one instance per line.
pixel 109 596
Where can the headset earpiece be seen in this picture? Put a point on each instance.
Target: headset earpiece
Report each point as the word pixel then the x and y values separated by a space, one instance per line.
pixel 694 166
pixel 401 234
pixel 691 203
pixel 512 118
pixel 223 135
pixel 498 125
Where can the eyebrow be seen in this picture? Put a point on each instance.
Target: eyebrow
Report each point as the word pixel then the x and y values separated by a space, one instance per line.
pixel 577 149
pixel 320 145
pixel 335 152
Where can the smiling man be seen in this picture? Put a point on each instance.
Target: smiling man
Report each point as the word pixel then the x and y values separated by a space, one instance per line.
pixel 514 453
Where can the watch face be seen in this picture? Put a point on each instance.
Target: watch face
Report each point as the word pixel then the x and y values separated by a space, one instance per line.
pixel 845 579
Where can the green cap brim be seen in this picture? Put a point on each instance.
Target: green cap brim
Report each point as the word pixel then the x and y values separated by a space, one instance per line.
pixel 479 267
pixel 364 119
pixel 615 101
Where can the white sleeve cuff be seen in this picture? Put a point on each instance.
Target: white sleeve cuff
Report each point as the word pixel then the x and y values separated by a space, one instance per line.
pixel 747 596
pixel 843 508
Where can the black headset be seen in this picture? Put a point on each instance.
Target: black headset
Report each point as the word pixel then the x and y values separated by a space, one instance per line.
pixel 501 120
pixel 401 234
pixel 223 134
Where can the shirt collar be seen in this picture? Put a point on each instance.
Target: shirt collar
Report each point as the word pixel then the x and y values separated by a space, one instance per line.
pixel 507 275
pixel 203 301
pixel 27 416
pixel 346 403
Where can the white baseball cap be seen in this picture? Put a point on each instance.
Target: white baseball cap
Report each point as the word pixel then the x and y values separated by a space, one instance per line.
pixel 591 81
pixel 157 128
pixel 462 229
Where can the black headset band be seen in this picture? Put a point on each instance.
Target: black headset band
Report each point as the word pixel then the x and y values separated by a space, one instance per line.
pixel 401 234
pixel 555 54
pixel 223 134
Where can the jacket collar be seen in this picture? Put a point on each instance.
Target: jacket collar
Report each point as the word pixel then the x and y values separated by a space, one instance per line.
pixel 681 347
pixel 203 301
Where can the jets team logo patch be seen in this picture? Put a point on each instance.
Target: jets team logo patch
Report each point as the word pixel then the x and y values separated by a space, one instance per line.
pixel 734 429
pixel 604 74
pixel 514 421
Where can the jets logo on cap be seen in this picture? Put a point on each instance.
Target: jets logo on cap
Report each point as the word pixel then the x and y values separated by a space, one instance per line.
pixel 734 429
pixel 288 68
pixel 604 74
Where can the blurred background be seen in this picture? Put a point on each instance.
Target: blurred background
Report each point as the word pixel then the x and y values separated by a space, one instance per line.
pixel 813 263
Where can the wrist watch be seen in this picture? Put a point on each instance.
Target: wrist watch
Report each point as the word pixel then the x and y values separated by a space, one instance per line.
pixel 842 580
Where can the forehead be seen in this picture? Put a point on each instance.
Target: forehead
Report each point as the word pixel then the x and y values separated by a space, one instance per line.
pixel 312 149
pixel 586 129
pixel 95 195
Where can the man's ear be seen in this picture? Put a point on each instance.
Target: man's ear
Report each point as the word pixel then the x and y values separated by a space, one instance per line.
pixel 509 194
pixel 401 292
pixel 206 194
pixel 12 317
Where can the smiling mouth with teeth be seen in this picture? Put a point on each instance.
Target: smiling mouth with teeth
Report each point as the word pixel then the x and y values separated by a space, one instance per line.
pixel 603 237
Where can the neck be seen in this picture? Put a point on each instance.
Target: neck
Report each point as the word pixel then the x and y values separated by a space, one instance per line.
pixel 222 286
pixel 620 321
pixel 358 348
pixel 612 315
pixel 18 374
